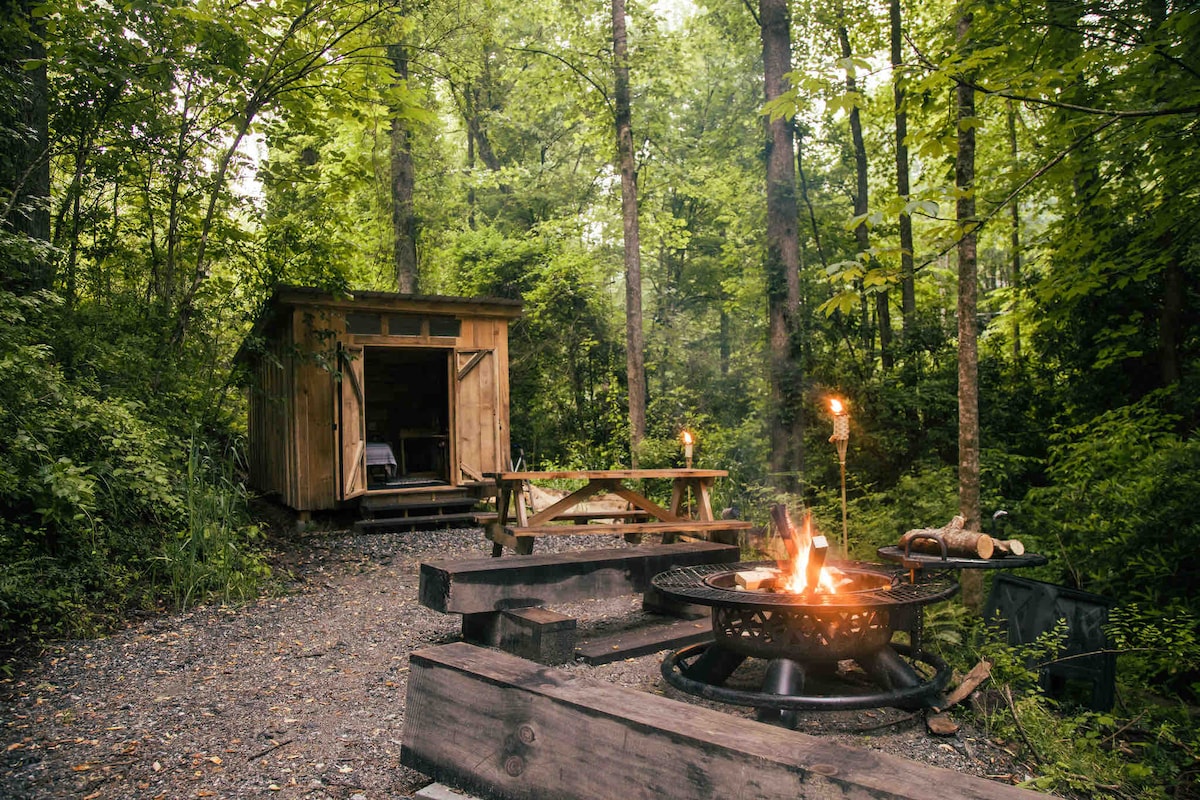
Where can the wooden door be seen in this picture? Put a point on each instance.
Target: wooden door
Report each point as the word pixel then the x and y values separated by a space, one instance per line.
pixel 352 424
pixel 477 419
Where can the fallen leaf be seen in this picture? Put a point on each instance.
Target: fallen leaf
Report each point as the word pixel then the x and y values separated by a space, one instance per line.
pixel 15 746
pixel 215 759
pixel 81 767
pixel 157 767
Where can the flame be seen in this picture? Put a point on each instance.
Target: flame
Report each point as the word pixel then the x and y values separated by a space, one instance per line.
pixel 836 406
pixel 797 572
pixel 687 437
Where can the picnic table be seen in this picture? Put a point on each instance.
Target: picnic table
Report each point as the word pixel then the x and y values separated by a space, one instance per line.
pixel 517 528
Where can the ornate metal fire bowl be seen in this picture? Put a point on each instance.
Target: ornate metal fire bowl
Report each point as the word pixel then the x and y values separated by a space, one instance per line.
pixel 806 633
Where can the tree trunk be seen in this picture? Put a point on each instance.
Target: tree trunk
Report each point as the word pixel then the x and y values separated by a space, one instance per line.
pixel 803 182
pixel 24 148
pixel 862 235
pixel 404 221
pixel 1170 321
pixel 634 340
pixel 1015 234
pixel 968 353
pixel 908 293
pixel 783 254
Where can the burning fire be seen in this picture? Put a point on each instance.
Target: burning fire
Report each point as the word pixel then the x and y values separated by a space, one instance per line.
pixel 835 405
pixel 806 571
pixel 687 437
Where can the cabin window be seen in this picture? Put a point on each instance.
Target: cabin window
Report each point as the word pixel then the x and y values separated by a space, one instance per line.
pixel 444 326
pixel 404 325
pixel 364 323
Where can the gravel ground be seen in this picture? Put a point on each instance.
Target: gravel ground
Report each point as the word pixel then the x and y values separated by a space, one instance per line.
pixel 302 694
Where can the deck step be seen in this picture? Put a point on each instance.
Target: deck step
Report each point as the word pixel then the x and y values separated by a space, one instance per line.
pixel 409 522
pixel 401 509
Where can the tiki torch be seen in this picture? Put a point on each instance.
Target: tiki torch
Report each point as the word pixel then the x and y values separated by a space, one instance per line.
pixel 687 449
pixel 840 438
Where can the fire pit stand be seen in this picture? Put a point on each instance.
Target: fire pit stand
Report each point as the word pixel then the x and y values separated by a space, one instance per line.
pixel 804 636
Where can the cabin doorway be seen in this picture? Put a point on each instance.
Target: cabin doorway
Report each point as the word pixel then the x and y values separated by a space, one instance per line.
pixel 406 394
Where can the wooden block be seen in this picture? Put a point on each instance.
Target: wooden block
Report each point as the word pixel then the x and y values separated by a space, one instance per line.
pixel 476 585
pixel 643 641
pixel 504 727
pixel 537 634
pixel 755 579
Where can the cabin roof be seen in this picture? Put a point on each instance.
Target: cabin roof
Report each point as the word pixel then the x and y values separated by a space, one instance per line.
pixel 394 301
pixel 287 296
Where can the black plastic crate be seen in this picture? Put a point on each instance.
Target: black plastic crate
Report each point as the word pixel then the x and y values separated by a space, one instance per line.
pixel 1028 608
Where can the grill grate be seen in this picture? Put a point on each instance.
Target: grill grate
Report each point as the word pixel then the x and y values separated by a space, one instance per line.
pixel 695 585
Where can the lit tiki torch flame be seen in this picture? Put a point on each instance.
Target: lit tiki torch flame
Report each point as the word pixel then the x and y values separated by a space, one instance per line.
pixel 687 448
pixel 804 571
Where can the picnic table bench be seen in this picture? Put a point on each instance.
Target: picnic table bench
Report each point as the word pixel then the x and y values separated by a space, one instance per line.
pixel 517 528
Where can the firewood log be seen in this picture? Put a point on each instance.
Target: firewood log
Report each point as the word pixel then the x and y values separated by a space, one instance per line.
pixel 959 542
pixel 1009 547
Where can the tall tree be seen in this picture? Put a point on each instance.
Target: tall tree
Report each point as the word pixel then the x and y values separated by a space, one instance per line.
pixel 968 288
pixel 862 235
pixel 1014 227
pixel 908 296
pixel 404 220
pixel 783 252
pixel 24 149
pixel 634 337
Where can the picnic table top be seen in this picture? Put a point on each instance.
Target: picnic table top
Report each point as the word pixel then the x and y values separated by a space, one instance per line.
pixel 608 474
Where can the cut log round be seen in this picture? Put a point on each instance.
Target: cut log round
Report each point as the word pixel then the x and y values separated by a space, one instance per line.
pixel 1009 547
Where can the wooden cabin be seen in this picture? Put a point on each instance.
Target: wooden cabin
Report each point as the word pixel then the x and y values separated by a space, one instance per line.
pixel 376 397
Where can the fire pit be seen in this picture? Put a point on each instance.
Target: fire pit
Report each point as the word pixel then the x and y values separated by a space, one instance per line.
pixel 803 635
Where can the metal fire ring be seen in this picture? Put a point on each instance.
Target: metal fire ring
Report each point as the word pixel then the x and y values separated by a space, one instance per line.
pixel 910 697
pixel 886 587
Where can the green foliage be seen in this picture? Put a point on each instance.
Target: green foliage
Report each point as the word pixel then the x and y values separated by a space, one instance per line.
pixel 1121 505
pixel 1158 648
pixel 213 555
pixel 925 497
pixel 90 483
pixel 1072 752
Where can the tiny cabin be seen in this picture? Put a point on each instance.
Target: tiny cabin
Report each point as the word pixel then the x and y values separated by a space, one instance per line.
pixel 377 395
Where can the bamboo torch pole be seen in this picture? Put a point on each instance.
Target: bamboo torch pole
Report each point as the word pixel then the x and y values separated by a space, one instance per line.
pixel 840 438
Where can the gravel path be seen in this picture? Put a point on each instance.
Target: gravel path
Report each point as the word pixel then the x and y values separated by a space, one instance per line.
pixel 302 694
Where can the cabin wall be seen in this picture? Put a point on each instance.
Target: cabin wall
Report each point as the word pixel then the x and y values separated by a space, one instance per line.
pixel 271 445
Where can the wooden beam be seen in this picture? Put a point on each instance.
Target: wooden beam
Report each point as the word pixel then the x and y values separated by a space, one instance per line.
pixel 503 727
pixel 476 585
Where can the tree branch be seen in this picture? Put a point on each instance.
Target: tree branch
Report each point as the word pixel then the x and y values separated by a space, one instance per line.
pixel 571 67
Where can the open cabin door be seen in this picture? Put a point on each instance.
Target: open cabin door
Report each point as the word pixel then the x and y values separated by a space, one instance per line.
pixel 477 418
pixel 352 433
